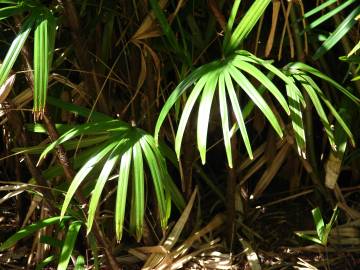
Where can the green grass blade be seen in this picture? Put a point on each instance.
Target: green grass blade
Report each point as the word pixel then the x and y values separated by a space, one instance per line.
pixel 90 128
pixel 68 246
pixel 51 37
pixel 319 222
pixel 354 50
pixel 250 90
pixel 296 120
pixel 80 263
pixel 42 265
pixel 30 229
pixel 100 183
pixel 237 112
pixel 121 193
pixel 159 14
pixel 339 32
pixel 333 111
pixel 71 145
pixel 317 104
pixel 78 110
pixel 255 72
pixel 39 128
pixel 330 14
pixel 138 197
pixel 225 119
pixel 15 48
pixel 309 237
pixel 10 2
pixel 204 114
pixel 230 22
pixel 187 111
pixel 94 250
pixel 169 185
pixel 83 172
pixel 10 11
pixel 319 8
pixel 245 26
pixel 77 161
pixel 317 73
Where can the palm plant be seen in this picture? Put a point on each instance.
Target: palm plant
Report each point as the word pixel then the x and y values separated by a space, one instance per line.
pixel 111 156
pixel 127 145
pixel 222 73
pixel 41 19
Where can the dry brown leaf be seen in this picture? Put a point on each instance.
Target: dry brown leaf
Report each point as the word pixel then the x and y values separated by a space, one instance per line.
pixel 6 88
pixel 271 171
pixel 180 4
pixel 149 28
pixel 152 249
pixel 286 29
pixel 215 223
pixel 34 203
pixel 332 170
pixel 250 255
pixel 217 14
pixel 274 21
pixel 354 214
pixel 174 235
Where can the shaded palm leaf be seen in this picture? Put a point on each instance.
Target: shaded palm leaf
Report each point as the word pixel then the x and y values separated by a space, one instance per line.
pixel 342 29
pixel 30 229
pixel 127 144
pixel 15 48
pixel 11 11
pixel 68 245
pixel 300 73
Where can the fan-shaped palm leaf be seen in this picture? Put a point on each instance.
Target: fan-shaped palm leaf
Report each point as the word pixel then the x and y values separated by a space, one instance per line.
pixel 300 73
pixel 127 144
pixel 221 74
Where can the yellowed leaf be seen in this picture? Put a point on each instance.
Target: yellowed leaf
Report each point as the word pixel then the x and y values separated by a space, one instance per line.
pixel 6 88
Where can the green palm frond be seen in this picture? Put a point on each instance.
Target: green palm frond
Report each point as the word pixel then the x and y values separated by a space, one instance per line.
pixel 302 74
pixel 43 22
pixel 131 148
pixel 221 75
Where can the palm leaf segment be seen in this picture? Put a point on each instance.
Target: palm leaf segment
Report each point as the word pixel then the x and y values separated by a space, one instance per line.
pixel 125 148
pixel 43 22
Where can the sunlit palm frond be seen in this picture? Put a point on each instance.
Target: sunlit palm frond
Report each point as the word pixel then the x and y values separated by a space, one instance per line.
pixel 222 75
